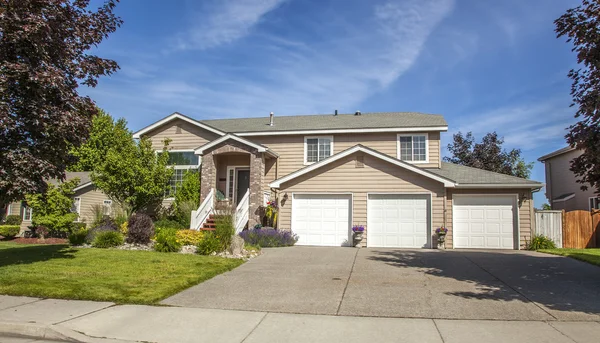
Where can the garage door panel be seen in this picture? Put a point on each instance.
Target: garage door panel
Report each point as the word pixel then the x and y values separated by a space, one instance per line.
pixel 398 221
pixel 484 222
pixel 320 219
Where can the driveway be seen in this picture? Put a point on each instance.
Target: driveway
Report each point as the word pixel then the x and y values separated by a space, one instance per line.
pixel 452 284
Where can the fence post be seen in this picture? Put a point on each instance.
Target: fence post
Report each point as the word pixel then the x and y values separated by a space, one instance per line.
pixel 564 228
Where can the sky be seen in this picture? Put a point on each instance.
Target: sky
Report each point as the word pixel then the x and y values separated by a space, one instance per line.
pixel 485 65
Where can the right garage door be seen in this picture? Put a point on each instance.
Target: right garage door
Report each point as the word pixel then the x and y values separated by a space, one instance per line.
pixel 484 222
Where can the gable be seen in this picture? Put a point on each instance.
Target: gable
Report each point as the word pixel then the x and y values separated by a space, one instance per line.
pixel 183 135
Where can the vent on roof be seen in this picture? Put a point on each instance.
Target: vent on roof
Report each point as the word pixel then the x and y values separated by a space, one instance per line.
pixel 360 161
pixel 335 114
pixel 271 118
pixel 357 113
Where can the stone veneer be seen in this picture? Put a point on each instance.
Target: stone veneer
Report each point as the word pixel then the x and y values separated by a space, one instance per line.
pixel 257 174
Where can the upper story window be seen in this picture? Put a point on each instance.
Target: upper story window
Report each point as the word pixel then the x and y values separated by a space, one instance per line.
pixel 413 148
pixel 594 204
pixel 317 148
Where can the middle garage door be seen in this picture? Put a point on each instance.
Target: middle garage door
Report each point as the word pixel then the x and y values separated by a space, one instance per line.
pixel 398 221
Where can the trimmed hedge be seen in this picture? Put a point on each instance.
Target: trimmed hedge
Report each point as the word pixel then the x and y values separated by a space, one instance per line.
pixel 9 231
pixel 13 219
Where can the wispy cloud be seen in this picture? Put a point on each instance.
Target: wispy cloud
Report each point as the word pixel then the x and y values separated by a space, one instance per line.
pixel 228 21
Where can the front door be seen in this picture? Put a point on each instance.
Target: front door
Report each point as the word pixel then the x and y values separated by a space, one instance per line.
pixel 243 183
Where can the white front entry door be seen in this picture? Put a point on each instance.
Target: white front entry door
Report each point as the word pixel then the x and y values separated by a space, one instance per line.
pixel 484 222
pixel 398 221
pixel 320 219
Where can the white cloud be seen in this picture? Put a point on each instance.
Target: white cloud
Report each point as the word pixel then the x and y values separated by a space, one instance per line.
pixel 228 22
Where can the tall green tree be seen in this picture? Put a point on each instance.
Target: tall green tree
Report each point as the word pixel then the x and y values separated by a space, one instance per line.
pixel 581 26
pixel 134 175
pixel 105 134
pixel 487 155
pixel 53 207
pixel 44 58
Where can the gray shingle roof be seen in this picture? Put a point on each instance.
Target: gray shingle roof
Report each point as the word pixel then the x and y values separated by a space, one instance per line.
pixel 329 121
pixel 556 153
pixel 84 177
pixel 473 176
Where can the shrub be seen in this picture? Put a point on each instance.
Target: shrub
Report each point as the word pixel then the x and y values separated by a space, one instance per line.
pixel 168 224
pixel 140 229
pixel 78 237
pixel 209 244
pixel 541 242
pixel 79 226
pixel 9 231
pixel 124 229
pixel 58 225
pixel 108 239
pixel 189 237
pixel 13 220
pixel 166 241
pixel 41 231
pixel 224 224
pixel 269 238
pixel 105 225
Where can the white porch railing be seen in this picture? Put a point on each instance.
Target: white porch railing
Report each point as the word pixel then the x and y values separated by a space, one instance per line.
pixel 242 212
pixel 200 216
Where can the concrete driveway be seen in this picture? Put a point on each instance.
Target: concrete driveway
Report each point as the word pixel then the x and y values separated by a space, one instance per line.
pixel 452 284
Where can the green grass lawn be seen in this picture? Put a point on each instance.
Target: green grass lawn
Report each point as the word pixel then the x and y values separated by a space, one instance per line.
pixel 588 255
pixel 135 277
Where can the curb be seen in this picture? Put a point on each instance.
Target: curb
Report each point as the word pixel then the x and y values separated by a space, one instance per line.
pixel 51 332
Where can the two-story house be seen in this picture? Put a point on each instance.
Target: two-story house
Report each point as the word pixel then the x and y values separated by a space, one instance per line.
pixel 330 172
pixel 562 189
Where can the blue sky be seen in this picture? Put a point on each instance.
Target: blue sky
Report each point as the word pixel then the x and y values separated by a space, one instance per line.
pixel 484 65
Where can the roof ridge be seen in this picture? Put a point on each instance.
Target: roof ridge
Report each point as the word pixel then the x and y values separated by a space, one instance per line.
pixel 320 114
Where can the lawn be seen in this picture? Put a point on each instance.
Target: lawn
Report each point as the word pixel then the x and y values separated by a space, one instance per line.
pixel 133 277
pixel 588 255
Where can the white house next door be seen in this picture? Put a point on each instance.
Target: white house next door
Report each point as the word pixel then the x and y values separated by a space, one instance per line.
pixel 398 221
pixel 322 219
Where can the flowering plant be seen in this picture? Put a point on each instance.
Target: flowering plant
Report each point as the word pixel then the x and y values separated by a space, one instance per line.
pixel 358 228
pixel 271 212
pixel 441 230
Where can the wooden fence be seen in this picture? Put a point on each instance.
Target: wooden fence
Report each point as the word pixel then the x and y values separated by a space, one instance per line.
pixel 549 224
pixel 581 229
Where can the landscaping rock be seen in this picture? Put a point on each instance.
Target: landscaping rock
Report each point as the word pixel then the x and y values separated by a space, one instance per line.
pixel 188 249
pixel 237 245
pixel 135 246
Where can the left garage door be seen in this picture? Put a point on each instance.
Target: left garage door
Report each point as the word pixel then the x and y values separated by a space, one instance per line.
pixel 321 219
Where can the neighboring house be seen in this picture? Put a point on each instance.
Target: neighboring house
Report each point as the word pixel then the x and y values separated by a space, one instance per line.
pixel 329 172
pixel 562 190
pixel 86 197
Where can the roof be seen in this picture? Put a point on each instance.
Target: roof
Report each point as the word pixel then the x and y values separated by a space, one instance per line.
pixel 261 148
pixel 84 179
pixel 474 177
pixel 564 197
pixel 277 183
pixel 381 120
pixel 556 153
pixel 316 123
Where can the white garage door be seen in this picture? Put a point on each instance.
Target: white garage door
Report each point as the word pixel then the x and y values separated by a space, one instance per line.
pixel 484 222
pixel 321 219
pixel 398 221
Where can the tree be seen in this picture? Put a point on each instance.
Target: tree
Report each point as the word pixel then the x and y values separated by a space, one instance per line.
pixel 582 27
pixel 134 175
pixel 187 198
pixel 43 59
pixel 487 155
pixel 53 208
pixel 106 133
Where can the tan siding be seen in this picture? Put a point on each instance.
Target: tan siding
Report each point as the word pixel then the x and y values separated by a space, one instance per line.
pixel 291 148
pixel 15 210
pixel 560 180
pixel 89 198
pixel 191 136
pixel 525 212
pixel 376 176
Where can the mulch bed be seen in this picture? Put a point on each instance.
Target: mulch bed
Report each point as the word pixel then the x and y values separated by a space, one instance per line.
pixel 22 240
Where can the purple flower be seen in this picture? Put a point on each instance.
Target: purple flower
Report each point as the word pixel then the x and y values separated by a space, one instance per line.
pixel 441 230
pixel 358 228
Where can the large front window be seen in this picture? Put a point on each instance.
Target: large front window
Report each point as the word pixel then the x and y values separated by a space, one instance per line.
pixel 182 162
pixel 183 158
pixel 412 148
pixel 317 148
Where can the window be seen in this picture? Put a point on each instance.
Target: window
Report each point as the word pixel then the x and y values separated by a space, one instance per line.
pixel 27 212
pixel 176 181
pixel 412 148
pixel 594 203
pixel 8 210
pixel 317 148
pixel 183 158
pixel 76 206
pixel 230 183
pixel 107 205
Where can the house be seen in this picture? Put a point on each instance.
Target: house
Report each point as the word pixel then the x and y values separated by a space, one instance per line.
pixel 330 172
pixel 85 199
pixel 562 190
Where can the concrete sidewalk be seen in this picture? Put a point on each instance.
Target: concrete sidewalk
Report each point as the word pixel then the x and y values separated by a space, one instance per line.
pixel 86 321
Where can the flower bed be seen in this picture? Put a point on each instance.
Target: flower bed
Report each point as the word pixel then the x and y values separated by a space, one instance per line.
pixel 269 238
pixel 23 240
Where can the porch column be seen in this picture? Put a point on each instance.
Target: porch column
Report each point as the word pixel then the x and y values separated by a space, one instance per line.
pixel 257 175
pixel 208 176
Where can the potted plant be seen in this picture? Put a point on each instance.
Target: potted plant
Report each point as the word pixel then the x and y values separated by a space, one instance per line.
pixel 357 234
pixel 271 211
pixel 441 233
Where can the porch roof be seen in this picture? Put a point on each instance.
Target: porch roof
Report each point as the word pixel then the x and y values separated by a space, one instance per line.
pixel 261 148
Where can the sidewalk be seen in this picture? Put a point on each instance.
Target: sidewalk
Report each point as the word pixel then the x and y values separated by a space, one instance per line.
pixel 86 321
